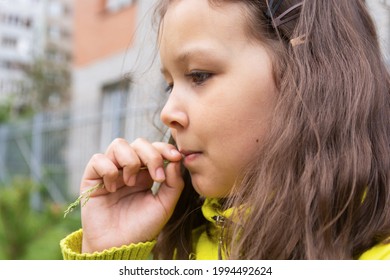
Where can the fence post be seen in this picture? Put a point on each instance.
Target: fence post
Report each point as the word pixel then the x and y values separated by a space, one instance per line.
pixel 36 158
pixel 36 147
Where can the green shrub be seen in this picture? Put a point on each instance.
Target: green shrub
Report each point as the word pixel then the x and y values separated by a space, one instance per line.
pixel 5 110
pixel 27 233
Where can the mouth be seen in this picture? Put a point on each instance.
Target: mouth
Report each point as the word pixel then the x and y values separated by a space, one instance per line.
pixel 189 156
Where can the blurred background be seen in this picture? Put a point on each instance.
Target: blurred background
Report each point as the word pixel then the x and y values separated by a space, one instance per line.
pixel 74 75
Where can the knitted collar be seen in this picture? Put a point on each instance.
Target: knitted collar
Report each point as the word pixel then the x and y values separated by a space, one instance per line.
pixel 212 211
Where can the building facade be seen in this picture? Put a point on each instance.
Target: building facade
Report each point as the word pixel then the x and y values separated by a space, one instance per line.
pixel 18 32
pixel 57 53
pixel 34 33
pixel 116 82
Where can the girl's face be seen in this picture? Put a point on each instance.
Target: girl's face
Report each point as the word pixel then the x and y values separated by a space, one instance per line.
pixel 222 92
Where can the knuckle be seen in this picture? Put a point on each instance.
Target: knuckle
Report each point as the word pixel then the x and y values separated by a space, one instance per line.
pixel 155 158
pixel 159 145
pixel 139 141
pixel 163 148
pixel 133 164
pixel 118 141
pixel 111 173
pixel 97 157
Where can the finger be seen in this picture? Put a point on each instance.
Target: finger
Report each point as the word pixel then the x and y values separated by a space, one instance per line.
pixel 143 179
pixel 151 157
pixel 168 151
pixel 100 168
pixel 123 156
pixel 170 190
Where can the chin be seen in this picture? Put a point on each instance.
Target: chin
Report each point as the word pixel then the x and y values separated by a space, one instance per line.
pixel 208 190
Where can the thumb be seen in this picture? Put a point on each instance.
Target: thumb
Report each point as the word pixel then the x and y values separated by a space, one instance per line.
pixel 170 190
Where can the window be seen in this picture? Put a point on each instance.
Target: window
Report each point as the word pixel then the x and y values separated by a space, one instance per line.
pixel 11 65
pixel 28 22
pixel 114 105
pixel 16 20
pixel 9 42
pixel 116 5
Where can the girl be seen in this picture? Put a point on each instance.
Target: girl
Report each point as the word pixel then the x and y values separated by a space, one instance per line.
pixel 279 114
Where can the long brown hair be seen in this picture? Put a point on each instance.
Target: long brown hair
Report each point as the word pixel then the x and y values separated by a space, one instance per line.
pixel 320 185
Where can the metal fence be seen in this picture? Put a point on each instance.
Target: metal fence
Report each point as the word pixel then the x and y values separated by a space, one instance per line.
pixel 53 148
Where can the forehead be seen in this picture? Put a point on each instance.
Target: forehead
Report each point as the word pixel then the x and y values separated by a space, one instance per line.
pixel 191 14
pixel 189 22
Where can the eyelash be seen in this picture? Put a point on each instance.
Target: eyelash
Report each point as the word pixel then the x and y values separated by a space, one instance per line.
pixel 197 78
pixel 169 88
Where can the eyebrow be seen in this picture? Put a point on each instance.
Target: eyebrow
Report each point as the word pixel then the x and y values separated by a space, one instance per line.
pixel 191 52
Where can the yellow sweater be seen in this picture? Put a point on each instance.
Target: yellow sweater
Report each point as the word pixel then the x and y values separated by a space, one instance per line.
pixel 205 247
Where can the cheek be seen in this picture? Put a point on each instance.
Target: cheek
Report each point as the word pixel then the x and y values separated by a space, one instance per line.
pixel 243 151
pixel 244 134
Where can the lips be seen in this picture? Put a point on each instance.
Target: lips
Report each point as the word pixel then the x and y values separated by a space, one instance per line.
pixel 188 152
pixel 189 156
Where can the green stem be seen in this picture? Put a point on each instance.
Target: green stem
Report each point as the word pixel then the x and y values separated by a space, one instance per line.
pixel 85 195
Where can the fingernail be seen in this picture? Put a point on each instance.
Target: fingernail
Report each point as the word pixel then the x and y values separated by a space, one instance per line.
pixel 175 153
pixel 160 174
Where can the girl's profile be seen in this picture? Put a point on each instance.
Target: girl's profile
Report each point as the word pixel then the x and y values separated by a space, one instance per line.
pixel 279 114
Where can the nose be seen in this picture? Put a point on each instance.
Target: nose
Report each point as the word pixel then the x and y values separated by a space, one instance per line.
pixel 174 114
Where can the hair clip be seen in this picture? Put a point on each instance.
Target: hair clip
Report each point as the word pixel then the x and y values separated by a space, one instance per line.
pixel 273 8
pixel 281 18
pixel 298 40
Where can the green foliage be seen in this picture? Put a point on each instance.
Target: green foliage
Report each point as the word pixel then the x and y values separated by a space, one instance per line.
pixel 11 110
pixel 5 110
pixel 50 82
pixel 27 233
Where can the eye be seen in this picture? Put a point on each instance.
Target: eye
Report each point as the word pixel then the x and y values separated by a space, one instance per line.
pixel 199 77
pixel 169 88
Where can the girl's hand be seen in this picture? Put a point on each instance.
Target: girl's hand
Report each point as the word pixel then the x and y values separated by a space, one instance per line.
pixel 126 211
